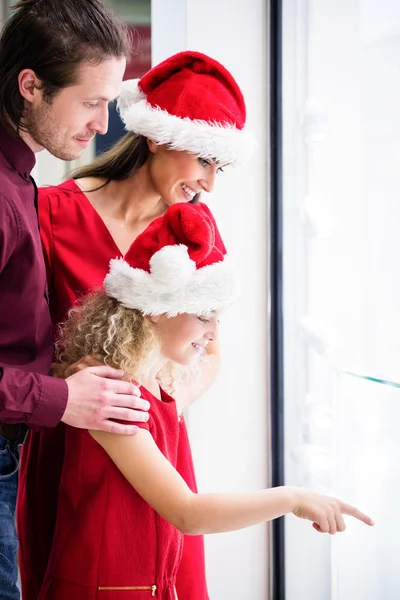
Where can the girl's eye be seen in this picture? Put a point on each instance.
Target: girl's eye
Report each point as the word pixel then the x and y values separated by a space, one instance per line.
pixel 203 319
pixel 204 162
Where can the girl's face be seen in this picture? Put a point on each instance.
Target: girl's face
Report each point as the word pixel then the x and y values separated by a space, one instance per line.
pixel 185 337
pixel 178 176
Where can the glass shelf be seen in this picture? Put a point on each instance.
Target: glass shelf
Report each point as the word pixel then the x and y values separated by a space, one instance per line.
pixel 373 378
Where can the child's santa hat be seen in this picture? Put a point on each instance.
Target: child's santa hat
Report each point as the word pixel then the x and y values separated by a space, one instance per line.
pixel 189 102
pixel 177 265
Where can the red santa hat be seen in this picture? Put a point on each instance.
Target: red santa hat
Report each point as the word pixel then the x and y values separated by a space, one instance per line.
pixel 189 102
pixel 177 265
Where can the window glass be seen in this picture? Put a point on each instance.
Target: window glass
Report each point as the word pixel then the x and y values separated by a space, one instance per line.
pixel 341 214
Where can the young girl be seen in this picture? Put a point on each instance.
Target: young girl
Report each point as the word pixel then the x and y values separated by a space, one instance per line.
pixel 123 508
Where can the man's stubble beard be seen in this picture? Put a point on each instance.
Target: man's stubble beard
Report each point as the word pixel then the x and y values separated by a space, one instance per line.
pixel 43 129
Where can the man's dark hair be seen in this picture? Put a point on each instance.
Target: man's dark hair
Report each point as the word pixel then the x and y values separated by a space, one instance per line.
pixel 54 38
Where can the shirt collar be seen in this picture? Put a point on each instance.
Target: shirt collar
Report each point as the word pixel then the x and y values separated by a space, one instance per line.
pixel 18 153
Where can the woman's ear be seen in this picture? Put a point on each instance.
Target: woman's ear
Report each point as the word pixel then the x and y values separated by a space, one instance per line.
pixel 153 147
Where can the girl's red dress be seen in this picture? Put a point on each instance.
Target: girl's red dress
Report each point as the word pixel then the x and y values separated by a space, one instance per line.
pixel 108 541
pixel 77 248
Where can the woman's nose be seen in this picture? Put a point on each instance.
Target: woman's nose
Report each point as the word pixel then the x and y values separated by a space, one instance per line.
pixel 207 183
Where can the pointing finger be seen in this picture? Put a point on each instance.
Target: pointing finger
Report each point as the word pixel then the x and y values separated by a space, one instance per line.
pixel 352 511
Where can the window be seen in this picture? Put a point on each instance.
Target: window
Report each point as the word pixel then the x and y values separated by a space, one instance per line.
pixel 340 210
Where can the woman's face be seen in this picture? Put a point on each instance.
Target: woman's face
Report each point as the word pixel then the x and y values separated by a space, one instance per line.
pixel 179 176
pixel 185 337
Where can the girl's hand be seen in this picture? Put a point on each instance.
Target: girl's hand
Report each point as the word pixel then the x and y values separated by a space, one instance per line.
pixel 326 512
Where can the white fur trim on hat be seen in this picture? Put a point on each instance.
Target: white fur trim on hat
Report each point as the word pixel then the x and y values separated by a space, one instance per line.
pixel 224 143
pixel 174 285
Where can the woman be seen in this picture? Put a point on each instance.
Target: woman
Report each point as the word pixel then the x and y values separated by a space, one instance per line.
pixel 122 512
pixel 185 121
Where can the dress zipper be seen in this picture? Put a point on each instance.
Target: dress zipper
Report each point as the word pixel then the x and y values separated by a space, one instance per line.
pixel 132 588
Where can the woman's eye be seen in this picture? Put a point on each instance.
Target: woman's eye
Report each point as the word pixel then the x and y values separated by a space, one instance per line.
pixel 220 170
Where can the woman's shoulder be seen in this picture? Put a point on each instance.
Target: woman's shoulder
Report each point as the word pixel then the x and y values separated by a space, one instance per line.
pixel 66 188
pixel 54 197
pixel 61 203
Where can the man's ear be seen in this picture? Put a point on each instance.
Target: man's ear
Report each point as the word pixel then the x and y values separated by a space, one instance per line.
pixel 30 86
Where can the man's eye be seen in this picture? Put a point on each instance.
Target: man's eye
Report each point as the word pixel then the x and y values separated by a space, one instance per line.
pixel 91 104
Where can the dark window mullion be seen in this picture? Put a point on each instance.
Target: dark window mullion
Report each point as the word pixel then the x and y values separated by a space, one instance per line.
pixel 276 325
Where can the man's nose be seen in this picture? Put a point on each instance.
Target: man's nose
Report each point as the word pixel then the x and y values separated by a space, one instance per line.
pixel 100 124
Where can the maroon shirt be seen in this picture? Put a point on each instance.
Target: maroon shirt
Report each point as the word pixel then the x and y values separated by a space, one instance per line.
pixel 27 393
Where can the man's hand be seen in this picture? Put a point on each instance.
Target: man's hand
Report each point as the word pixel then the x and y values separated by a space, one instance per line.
pixel 97 394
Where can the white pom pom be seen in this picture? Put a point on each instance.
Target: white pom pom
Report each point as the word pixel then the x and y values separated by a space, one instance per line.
pixel 130 94
pixel 171 266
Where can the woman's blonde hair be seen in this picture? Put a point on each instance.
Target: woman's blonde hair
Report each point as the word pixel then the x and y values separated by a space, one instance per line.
pixel 101 327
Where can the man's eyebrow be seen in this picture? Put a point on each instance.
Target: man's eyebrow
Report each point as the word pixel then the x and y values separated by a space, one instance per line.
pixel 93 98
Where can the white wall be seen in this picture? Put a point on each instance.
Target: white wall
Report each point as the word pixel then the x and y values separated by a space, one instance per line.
pixel 229 426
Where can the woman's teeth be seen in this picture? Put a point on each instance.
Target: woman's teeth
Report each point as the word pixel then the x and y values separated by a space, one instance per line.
pixel 191 193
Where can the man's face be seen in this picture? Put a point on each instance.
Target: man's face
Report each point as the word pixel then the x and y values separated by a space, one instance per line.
pixel 66 123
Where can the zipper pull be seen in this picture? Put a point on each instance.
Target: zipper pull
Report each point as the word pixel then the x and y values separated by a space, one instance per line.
pixel 153 590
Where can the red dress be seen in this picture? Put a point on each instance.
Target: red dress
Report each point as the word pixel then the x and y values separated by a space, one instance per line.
pixel 78 248
pixel 107 537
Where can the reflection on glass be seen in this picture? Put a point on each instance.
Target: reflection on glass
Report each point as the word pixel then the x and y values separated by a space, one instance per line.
pixel 367 456
pixel 341 210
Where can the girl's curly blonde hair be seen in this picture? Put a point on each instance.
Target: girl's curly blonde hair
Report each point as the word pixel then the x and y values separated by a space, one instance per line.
pixel 120 337
pixel 101 327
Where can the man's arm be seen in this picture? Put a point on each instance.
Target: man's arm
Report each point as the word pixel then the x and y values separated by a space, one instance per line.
pixel 31 398
pixel 25 397
pixel 93 398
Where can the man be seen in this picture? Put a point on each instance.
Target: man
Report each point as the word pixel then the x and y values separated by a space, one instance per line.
pixel 60 65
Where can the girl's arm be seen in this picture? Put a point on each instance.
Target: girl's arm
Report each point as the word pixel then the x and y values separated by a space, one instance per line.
pixel 153 477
